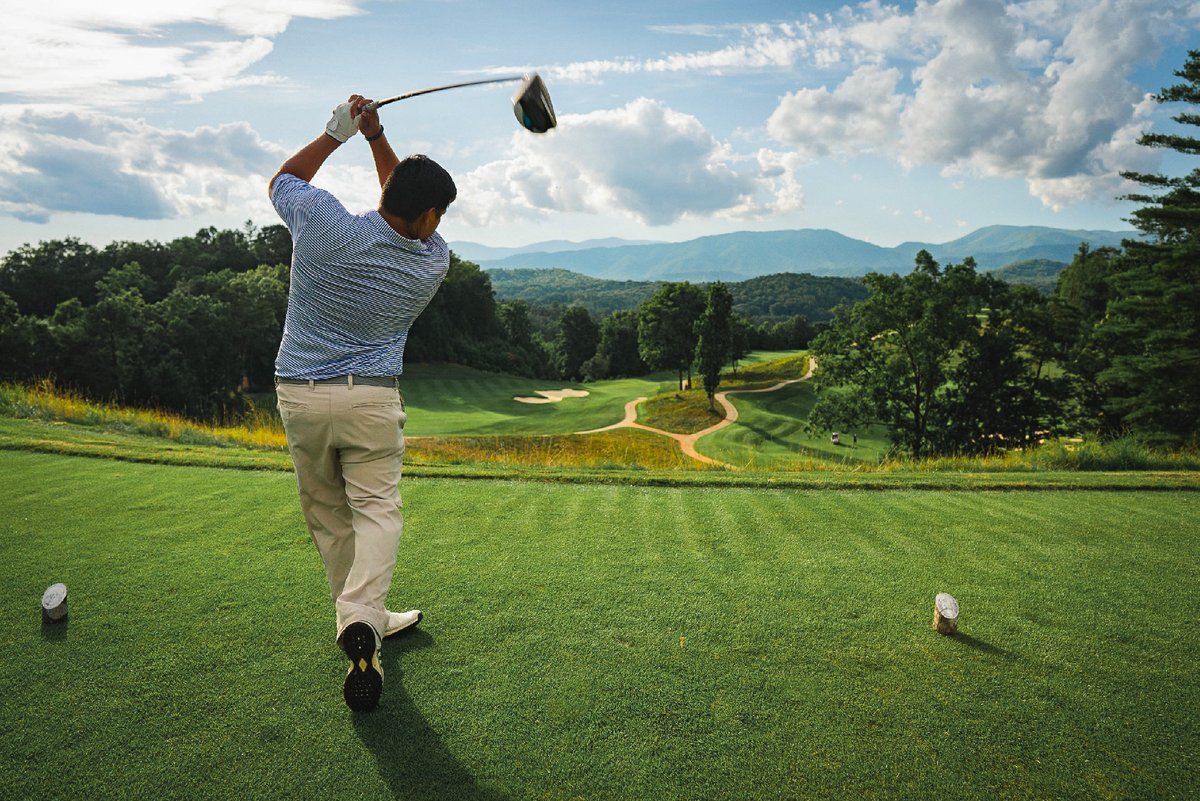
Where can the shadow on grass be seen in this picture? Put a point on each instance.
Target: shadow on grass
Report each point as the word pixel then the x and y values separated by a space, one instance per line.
pixel 983 647
pixel 411 757
pixel 55 632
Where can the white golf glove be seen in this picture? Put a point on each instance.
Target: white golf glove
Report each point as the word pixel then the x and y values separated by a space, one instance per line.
pixel 341 125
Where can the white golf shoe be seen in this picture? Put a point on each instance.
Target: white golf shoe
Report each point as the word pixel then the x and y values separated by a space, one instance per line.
pixel 401 621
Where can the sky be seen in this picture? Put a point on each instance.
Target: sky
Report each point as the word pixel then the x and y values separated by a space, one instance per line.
pixel 913 121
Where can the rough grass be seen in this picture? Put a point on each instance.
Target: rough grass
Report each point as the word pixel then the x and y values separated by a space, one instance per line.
pixel 621 449
pixel 765 372
pixel 683 412
pixel 45 401
pixel 599 642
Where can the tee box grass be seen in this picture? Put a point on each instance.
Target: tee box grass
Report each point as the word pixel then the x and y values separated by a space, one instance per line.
pixel 599 641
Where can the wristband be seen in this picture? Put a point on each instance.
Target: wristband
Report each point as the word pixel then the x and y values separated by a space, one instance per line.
pixel 376 136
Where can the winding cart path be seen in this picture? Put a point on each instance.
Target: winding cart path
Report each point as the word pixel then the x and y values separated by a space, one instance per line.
pixel 687 442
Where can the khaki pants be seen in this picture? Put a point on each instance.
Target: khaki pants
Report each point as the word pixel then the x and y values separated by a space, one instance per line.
pixel 347 444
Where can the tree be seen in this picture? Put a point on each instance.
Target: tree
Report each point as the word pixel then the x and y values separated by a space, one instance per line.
pixel 271 244
pixel 666 328
pixel 514 316
pixel 713 339
pixel 740 330
pixel 619 346
pixel 1079 303
pixel 840 410
pixel 39 277
pixel 999 395
pixel 578 336
pixel 1151 331
pixel 894 348
pixel 460 323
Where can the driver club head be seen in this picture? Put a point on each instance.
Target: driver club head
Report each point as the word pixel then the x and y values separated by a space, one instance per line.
pixel 532 106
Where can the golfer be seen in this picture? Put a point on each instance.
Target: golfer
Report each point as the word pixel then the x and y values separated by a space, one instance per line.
pixel 358 281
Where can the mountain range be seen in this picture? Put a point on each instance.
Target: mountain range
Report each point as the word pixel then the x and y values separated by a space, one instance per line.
pixel 749 254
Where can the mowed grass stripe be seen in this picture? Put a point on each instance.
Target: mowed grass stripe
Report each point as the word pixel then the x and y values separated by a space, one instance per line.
pixel 600 641
pixel 770 433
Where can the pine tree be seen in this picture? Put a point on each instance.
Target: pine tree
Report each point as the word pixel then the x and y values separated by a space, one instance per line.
pixel 1151 331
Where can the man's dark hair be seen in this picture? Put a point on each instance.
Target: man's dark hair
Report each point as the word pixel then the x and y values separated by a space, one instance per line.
pixel 416 184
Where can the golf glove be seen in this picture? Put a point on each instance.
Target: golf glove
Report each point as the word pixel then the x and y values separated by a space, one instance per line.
pixel 341 125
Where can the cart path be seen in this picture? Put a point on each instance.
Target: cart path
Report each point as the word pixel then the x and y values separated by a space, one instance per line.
pixel 687 442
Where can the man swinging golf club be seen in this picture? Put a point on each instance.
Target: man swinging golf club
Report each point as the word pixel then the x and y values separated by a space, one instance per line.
pixel 358 281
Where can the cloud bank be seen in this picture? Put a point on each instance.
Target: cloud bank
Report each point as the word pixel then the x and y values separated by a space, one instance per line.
pixel 1039 90
pixel 90 162
pixel 644 160
pixel 108 55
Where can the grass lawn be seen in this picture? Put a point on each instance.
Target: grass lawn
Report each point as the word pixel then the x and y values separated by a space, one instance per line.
pixel 450 400
pixel 599 642
pixel 770 434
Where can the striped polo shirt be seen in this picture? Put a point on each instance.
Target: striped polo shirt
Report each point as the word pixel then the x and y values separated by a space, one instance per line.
pixel 356 286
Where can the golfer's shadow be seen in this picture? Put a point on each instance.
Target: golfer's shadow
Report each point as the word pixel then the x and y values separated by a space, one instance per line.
pixel 412 758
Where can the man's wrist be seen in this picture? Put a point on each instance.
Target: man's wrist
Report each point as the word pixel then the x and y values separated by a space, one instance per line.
pixel 376 136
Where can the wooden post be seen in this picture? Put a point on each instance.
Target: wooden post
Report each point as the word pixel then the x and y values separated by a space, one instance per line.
pixel 945 614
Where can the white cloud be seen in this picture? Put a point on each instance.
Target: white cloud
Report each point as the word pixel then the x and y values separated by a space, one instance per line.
pixel 643 160
pixel 88 162
pixel 1039 90
pixel 859 115
pixel 118 54
pixel 759 46
pixel 778 176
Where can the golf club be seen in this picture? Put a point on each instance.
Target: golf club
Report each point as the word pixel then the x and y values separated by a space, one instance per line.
pixel 531 103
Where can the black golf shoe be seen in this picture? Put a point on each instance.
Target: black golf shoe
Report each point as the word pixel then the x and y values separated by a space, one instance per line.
pixel 364 679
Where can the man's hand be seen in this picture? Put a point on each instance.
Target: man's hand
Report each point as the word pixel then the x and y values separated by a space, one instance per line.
pixel 341 125
pixel 368 121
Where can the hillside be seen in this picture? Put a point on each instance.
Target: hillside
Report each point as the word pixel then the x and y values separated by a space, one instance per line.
pixel 1041 274
pixel 767 298
pixel 739 256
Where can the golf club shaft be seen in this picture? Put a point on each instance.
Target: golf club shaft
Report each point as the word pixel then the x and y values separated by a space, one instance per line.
pixel 379 103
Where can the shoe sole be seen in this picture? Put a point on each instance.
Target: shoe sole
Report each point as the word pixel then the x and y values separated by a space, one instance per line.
pixel 409 627
pixel 364 682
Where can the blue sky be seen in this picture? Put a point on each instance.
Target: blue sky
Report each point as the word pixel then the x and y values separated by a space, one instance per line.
pixel 886 122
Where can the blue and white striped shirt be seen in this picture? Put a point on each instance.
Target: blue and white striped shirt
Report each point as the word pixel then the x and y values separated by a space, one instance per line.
pixel 356 288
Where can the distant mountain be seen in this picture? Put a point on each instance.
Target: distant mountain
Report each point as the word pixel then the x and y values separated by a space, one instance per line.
pixel 560 287
pixel 473 251
pixel 768 298
pixel 743 255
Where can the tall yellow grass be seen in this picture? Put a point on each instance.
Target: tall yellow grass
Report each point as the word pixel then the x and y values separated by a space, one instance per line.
pixel 45 401
pixel 619 449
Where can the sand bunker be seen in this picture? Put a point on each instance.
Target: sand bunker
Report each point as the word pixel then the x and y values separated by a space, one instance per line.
pixel 554 395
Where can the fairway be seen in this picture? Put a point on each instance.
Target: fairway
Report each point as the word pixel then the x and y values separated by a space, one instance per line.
pixel 600 642
pixel 449 400
pixel 770 434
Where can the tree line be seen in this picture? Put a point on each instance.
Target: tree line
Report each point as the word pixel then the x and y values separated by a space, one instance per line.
pixel 194 324
pixel 952 361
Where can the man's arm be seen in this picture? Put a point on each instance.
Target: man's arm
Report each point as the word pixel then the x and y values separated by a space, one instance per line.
pixel 305 163
pixel 307 160
pixel 368 123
